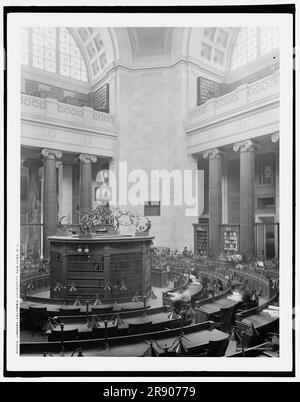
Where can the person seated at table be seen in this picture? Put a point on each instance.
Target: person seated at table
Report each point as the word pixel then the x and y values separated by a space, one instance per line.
pixel 185 251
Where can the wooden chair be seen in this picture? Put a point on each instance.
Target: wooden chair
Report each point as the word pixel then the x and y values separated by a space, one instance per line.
pixel 69 311
pixel 217 348
pixel 68 335
pixel 38 318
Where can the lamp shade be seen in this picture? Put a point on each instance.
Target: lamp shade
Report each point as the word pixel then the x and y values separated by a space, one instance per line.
pixel 153 295
pixel 151 351
pixel 117 320
pixel 180 348
pixel 135 298
pixel 173 315
pixel 50 324
pixel 77 302
pixel 97 301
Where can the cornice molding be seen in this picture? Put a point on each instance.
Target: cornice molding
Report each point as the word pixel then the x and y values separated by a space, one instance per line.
pixel 116 66
pixel 237 113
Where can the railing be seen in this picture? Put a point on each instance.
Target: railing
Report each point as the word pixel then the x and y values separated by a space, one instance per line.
pixel 31 236
pixel 243 96
pixel 256 310
pixel 29 286
pixel 208 272
pixel 52 108
pixel 256 281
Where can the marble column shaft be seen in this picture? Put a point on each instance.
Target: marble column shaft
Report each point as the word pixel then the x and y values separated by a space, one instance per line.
pixel 215 197
pixel 50 212
pixel 247 196
pixel 86 182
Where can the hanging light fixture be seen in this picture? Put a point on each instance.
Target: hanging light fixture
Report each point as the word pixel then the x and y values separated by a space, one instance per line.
pixel 86 250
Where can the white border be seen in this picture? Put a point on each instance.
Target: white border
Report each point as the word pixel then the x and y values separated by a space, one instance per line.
pixel 15 362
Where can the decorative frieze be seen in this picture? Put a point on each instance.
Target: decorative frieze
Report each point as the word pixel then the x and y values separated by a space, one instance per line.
pixel 262 85
pixel 226 100
pixel 199 111
pixel 70 110
pixel 103 117
pixel 31 101
pixel 83 117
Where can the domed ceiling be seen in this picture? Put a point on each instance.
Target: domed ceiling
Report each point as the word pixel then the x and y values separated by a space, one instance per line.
pixel 210 46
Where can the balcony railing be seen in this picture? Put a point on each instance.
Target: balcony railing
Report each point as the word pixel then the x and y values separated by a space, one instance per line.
pixel 244 96
pixel 66 114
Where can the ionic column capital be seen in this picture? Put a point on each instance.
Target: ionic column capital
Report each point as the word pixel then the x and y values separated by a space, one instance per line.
pixel 32 163
pixel 275 137
pixel 51 153
pixel 85 158
pixel 245 146
pixel 213 154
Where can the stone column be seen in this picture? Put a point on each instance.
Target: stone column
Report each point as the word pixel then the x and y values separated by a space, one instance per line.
pixel 215 157
pixel 32 239
pixel 50 197
pixel 33 199
pixel 85 185
pixel 275 140
pixel 247 198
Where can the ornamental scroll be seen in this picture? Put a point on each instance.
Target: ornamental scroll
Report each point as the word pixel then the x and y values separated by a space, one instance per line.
pixel 103 220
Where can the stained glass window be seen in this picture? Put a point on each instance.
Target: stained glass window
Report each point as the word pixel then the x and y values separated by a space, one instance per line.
pixel 53 50
pixel 252 43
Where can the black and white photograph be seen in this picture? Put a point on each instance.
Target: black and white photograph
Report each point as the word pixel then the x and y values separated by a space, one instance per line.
pixel 150 192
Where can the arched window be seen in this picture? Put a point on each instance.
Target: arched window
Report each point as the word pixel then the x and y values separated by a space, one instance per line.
pixel 71 62
pixel 252 43
pixel 245 48
pixel 53 50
